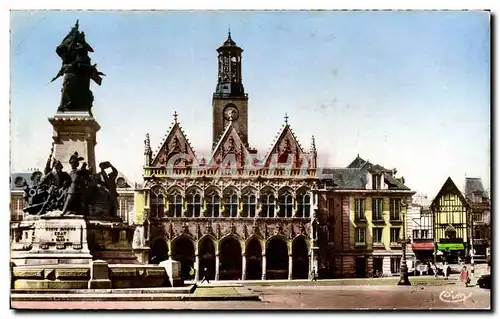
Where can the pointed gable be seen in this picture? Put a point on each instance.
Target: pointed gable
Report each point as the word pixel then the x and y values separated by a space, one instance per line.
pixel 358 162
pixel 230 148
pixel 286 149
pixel 175 147
pixel 449 187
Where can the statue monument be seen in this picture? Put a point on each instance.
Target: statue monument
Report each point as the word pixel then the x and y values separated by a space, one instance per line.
pixel 70 207
pixel 71 236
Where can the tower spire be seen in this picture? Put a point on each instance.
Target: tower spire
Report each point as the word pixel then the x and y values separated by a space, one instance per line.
pixel 313 144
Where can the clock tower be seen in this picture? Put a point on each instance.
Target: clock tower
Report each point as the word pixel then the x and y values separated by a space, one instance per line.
pixel 229 102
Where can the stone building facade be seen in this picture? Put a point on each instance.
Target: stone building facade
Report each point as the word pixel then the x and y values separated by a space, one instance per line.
pixel 236 215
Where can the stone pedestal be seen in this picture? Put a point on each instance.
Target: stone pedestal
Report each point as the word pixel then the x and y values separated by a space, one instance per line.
pixel 74 132
pixel 173 269
pixel 99 275
pixel 51 240
pixel 142 254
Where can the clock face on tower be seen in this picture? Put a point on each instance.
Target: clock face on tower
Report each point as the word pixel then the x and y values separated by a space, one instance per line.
pixel 231 113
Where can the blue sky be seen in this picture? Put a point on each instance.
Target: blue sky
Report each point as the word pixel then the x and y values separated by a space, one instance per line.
pixel 409 90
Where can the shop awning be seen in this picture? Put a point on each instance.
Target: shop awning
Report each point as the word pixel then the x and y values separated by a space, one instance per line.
pixel 451 246
pixel 423 246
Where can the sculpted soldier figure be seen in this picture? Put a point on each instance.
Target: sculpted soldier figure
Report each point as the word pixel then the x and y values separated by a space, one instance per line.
pixel 110 185
pixel 74 194
pixel 77 71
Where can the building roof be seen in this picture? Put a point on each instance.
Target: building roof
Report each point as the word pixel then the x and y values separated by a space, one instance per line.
pixel 449 187
pixel 229 44
pixel 347 178
pixel 474 185
pixel 390 180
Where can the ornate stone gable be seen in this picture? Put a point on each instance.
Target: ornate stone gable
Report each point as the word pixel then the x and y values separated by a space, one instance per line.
pixel 286 150
pixel 175 143
pixel 230 149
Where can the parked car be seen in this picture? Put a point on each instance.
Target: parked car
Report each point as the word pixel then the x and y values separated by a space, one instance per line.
pixel 484 281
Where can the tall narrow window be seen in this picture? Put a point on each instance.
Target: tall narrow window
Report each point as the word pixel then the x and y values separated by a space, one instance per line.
pixel 395 234
pixel 377 235
pixel 395 209
pixel 267 205
pixel 376 181
pixel 249 205
pixel 360 235
pixel 213 205
pixel 286 204
pixel 157 203
pixel 377 209
pixel 175 204
pixel 193 204
pixel 359 209
pixel 231 204
pixel 304 207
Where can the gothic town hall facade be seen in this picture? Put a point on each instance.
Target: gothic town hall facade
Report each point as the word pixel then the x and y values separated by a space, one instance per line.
pixel 239 216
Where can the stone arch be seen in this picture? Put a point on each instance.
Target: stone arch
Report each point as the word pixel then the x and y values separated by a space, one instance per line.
pixel 207 250
pixel 183 250
pixel 230 252
pixel 212 188
pixel 306 239
pixel 159 250
pixel 300 257
pixel 231 188
pixel 259 239
pixel 173 188
pixel 160 187
pixel 249 190
pixel 277 252
pixel 253 254
pixel 281 237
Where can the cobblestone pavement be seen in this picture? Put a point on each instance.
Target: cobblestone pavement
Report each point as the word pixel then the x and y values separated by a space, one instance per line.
pixel 314 297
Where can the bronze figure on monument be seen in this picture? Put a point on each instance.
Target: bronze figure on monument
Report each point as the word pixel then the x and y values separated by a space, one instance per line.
pixel 77 71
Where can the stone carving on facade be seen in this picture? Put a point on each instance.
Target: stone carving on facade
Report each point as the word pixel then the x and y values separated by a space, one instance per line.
pixel 255 228
pixel 198 231
pixel 208 229
pixel 278 230
pixel 302 228
pixel 77 71
pixel 185 229
pixel 245 232
pixel 217 230
pixel 170 231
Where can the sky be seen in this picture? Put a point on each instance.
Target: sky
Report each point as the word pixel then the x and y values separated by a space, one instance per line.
pixel 407 90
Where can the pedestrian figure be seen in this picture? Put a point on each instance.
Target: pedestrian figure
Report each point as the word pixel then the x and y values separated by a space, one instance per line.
pixel 445 270
pixel 205 276
pixel 314 277
pixel 464 276
pixel 191 273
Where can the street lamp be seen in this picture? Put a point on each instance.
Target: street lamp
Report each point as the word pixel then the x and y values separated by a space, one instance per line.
pixel 403 279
